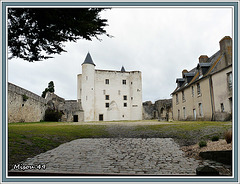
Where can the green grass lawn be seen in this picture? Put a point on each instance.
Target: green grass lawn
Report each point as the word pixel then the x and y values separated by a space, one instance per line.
pixel 188 132
pixel 29 139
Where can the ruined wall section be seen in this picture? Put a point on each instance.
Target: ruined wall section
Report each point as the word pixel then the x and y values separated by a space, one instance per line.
pixel 161 110
pixel 164 109
pixel 30 108
pixel 71 108
pixel 149 111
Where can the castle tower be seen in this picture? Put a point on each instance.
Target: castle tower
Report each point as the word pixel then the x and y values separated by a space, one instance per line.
pixel 109 95
pixel 87 83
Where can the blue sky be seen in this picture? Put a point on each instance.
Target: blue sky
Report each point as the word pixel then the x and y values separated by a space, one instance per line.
pixel 159 42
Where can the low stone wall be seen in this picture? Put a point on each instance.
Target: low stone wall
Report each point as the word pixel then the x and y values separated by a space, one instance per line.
pixel 30 108
pixel 219 156
pixel 222 116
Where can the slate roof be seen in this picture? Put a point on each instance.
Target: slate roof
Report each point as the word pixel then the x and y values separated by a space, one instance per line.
pixel 88 60
pixel 123 69
pixel 211 64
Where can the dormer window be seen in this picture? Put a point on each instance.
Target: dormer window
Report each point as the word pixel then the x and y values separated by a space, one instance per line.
pixel 203 68
pixel 189 76
pixel 180 82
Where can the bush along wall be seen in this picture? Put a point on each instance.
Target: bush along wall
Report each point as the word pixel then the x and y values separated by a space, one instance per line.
pixel 52 115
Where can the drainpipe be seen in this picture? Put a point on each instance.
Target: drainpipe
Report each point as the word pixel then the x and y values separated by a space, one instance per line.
pixel 212 97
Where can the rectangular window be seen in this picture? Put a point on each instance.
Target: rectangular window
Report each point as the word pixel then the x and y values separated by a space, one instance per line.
pixel 198 89
pixel 200 109
pixel 106 81
pixel 177 98
pixel 124 104
pixel 229 78
pixel 222 107
pixel 192 91
pixel 106 105
pixel 119 92
pixel 183 96
pixel 86 77
pixel 184 112
pixel 106 97
pixel 125 97
pixel 124 82
pixel 104 91
pixel 131 98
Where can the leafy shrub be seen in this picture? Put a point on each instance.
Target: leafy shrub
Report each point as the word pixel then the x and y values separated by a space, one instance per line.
pixel 202 144
pixel 228 136
pixel 52 115
pixel 25 97
pixel 215 138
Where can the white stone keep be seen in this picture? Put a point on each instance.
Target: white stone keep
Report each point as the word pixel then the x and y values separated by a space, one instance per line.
pixel 108 95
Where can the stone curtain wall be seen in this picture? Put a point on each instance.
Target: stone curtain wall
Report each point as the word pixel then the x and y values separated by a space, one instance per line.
pixel 31 110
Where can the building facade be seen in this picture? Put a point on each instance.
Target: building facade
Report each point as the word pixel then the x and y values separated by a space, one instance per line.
pixel 108 95
pixel 205 92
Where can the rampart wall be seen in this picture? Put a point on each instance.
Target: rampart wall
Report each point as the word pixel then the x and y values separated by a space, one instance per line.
pixel 24 105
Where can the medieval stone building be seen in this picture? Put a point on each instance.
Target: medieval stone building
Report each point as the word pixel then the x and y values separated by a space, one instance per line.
pixel 108 95
pixel 103 95
pixel 161 110
pixel 205 92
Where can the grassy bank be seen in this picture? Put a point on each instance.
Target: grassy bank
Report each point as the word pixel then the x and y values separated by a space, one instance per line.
pixel 186 132
pixel 29 139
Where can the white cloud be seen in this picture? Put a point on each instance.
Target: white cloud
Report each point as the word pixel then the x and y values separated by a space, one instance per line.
pixel 160 42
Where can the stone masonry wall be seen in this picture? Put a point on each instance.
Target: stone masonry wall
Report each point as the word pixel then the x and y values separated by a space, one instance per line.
pixel 33 107
pixel 161 110
pixel 31 110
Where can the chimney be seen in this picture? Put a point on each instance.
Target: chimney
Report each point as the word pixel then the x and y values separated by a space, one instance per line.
pixel 184 71
pixel 203 59
pixel 226 48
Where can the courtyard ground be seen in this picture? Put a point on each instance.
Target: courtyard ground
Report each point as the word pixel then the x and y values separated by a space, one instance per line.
pixel 25 140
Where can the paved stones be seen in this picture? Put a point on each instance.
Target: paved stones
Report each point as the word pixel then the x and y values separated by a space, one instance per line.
pixel 136 156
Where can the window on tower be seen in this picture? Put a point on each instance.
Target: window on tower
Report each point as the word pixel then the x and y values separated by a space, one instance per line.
pixel 124 82
pixel 106 81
